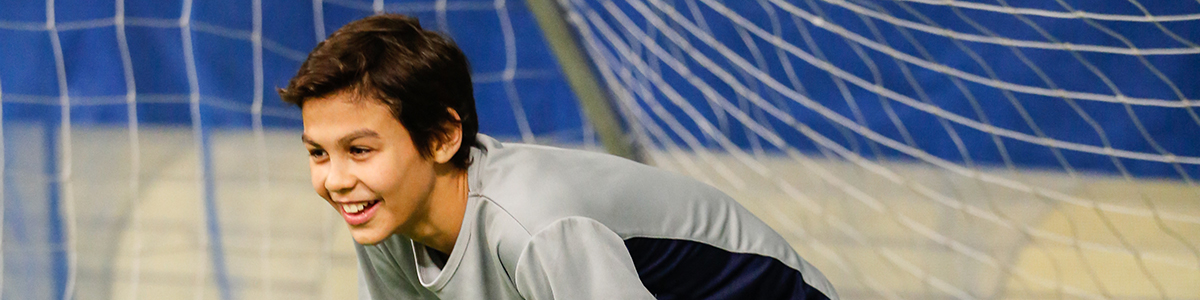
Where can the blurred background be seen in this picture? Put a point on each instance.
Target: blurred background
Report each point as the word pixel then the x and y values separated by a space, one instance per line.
pixel 910 149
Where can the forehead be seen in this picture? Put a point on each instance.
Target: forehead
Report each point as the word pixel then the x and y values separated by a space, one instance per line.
pixel 331 116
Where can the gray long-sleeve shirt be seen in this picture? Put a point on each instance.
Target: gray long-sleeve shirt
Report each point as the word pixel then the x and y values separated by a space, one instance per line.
pixel 549 223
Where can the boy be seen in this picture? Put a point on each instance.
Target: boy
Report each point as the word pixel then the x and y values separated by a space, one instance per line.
pixel 439 211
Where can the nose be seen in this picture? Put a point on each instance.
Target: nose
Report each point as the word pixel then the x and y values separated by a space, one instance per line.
pixel 340 179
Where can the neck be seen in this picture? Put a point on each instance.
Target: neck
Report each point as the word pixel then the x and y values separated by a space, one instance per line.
pixel 446 206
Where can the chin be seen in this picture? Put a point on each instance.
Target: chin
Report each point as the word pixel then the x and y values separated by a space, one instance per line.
pixel 368 236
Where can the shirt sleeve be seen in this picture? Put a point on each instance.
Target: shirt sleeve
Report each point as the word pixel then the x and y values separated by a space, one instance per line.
pixel 578 258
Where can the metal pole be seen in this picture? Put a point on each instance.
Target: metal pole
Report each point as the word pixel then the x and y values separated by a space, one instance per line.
pixel 581 76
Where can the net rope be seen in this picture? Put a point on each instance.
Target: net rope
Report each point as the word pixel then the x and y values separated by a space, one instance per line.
pixel 3 197
pixel 1074 14
pixel 134 151
pixel 64 154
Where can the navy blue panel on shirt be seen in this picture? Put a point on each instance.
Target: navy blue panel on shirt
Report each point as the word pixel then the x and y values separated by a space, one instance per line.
pixel 679 269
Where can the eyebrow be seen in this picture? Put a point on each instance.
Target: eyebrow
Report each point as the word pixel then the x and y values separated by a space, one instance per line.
pixel 346 139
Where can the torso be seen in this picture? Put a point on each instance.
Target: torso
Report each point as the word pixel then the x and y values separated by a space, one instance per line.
pixel 673 226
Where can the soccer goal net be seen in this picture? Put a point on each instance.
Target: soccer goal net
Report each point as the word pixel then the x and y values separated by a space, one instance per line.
pixel 910 149
pixel 931 149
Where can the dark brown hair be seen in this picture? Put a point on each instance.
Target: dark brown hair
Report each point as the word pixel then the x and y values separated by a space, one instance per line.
pixel 389 58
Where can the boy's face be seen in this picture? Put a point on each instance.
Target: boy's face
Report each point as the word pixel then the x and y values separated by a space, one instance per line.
pixel 364 163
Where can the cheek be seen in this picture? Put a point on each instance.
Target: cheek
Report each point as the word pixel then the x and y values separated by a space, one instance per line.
pixel 398 176
pixel 318 179
pixel 382 176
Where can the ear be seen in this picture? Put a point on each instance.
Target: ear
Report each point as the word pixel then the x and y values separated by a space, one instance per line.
pixel 447 145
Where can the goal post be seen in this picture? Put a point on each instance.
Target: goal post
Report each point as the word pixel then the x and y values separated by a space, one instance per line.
pixel 580 73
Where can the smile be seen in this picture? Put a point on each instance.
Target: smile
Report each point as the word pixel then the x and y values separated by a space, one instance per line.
pixel 354 208
pixel 358 212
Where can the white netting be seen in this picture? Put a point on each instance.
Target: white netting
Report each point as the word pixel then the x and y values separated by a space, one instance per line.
pixel 911 149
pixel 931 149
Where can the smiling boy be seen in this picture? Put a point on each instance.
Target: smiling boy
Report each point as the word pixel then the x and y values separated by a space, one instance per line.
pixel 439 211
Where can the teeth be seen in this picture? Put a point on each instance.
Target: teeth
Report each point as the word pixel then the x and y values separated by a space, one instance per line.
pixel 354 207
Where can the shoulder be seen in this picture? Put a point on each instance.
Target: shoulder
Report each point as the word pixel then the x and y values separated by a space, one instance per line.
pixel 566 231
pixel 512 241
pixel 538 185
pixel 570 244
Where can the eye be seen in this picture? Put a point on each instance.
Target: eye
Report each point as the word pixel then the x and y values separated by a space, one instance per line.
pixel 317 154
pixel 359 151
